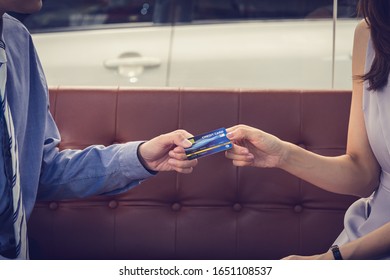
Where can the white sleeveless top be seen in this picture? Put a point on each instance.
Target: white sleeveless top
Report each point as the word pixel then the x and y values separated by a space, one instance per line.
pixel 367 214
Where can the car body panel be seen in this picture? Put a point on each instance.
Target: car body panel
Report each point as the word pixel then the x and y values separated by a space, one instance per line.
pixel 196 43
pixel 80 57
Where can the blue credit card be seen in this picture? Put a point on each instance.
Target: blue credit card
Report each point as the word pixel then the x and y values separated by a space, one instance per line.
pixel 208 143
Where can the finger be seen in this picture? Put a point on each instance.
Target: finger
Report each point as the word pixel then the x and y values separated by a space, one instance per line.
pixel 241 163
pixel 230 129
pixel 293 257
pixel 237 149
pixel 178 154
pixel 240 132
pixel 180 138
pixel 184 170
pixel 234 127
pixel 239 153
pixel 175 163
pixel 179 150
pixel 244 158
pixel 235 134
pixel 240 156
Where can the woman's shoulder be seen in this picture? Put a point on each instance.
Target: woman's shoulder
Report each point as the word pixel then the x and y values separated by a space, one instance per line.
pixel 360 44
pixel 362 30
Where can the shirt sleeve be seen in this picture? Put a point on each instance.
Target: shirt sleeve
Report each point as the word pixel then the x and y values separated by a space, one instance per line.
pixel 70 174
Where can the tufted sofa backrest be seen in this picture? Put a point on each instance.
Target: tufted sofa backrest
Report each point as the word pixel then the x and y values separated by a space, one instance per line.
pixel 217 212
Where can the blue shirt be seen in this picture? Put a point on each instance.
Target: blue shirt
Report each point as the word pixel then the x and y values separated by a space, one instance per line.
pixel 46 173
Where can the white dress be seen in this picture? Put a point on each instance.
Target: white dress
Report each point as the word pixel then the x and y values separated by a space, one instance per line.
pixel 368 214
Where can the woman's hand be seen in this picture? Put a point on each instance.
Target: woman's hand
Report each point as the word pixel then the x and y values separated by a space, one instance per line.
pixel 253 147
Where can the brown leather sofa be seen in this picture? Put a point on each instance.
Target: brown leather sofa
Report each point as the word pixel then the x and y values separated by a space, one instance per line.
pixel 217 212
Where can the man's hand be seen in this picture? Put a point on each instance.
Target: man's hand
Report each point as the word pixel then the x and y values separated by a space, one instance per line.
pixel 166 152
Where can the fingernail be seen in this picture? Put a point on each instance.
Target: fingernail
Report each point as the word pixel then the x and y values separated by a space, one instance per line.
pixel 186 143
pixel 229 135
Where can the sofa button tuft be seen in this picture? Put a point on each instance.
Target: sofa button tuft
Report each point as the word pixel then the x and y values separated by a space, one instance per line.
pixel 53 205
pixel 298 208
pixel 176 206
pixel 113 204
pixel 237 207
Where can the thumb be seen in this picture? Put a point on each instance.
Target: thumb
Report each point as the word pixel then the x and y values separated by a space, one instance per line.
pixel 236 134
pixel 180 138
pixel 243 132
pixel 185 143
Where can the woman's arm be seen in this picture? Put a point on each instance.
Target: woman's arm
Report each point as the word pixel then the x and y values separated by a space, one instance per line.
pixel 356 172
pixel 375 245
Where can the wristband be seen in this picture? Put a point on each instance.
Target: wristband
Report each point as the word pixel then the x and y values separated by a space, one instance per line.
pixel 336 252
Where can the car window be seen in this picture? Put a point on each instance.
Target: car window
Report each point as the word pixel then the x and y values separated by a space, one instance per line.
pixel 71 14
pixel 347 8
pixel 96 14
pixel 262 9
pixel 266 9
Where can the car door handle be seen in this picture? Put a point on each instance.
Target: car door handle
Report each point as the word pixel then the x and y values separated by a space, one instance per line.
pixel 132 61
pixel 132 64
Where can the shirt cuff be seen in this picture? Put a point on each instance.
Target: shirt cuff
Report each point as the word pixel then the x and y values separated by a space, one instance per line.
pixel 142 161
pixel 130 163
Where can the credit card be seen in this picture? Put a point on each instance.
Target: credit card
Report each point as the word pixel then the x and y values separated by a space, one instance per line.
pixel 208 143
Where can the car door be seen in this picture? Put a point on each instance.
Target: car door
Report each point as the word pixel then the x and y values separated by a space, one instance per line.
pixel 102 42
pixel 258 44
